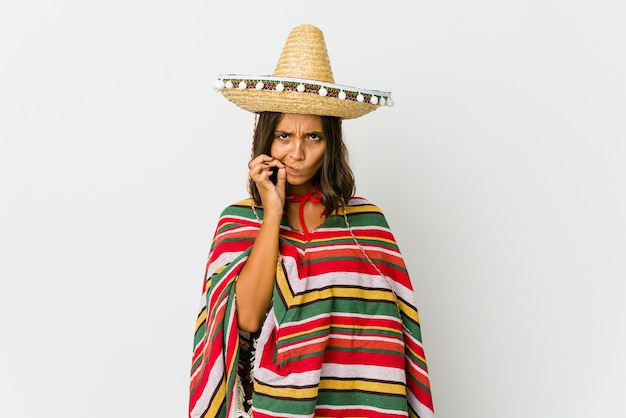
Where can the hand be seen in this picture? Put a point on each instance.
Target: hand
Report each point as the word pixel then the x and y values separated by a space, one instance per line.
pixel 272 195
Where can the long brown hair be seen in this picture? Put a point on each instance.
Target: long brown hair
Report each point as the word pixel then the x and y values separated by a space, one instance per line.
pixel 334 179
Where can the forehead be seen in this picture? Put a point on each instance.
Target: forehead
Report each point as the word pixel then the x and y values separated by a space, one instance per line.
pixel 306 123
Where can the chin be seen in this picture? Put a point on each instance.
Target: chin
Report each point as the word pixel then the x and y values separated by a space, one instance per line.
pixel 299 184
pixel 293 182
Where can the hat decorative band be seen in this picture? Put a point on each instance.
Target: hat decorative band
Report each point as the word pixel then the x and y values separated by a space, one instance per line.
pixel 279 84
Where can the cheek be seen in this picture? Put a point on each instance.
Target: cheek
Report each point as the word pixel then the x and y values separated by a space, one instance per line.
pixel 320 157
pixel 278 150
pixel 319 164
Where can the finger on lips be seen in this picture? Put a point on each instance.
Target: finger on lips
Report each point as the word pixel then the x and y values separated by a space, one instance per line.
pixel 265 161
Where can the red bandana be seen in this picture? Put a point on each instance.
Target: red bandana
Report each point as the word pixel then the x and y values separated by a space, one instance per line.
pixel 314 196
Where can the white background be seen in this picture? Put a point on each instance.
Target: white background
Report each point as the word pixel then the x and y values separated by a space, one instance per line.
pixel 501 170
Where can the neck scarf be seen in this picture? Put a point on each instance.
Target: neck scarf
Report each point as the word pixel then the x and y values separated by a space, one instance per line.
pixel 312 195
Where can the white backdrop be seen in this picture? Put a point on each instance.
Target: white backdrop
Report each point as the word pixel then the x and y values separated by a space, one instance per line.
pixel 501 170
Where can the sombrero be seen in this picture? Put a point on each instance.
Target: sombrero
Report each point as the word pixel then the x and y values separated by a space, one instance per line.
pixel 302 83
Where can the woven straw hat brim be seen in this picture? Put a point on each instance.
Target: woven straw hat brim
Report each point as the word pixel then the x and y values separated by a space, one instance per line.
pixel 341 101
pixel 294 102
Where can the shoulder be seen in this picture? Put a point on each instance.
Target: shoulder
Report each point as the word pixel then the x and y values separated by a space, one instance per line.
pixel 240 204
pixel 243 210
pixel 364 212
pixel 359 204
pixel 236 230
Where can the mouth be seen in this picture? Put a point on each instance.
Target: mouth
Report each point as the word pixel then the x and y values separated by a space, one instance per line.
pixel 290 170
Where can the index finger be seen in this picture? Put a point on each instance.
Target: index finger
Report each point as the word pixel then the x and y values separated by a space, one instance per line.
pixel 258 159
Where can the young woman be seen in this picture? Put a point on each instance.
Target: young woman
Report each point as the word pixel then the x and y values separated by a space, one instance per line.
pixel 307 306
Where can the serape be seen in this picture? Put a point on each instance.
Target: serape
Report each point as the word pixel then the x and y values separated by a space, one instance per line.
pixel 342 338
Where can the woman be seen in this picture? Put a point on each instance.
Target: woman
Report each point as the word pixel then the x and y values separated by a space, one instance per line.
pixel 307 306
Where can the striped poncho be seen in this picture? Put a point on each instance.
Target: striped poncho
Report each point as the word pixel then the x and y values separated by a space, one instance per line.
pixel 342 338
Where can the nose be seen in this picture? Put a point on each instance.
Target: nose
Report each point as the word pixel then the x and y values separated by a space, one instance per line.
pixel 297 151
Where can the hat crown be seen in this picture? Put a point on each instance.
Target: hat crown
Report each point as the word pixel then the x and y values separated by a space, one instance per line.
pixel 305 56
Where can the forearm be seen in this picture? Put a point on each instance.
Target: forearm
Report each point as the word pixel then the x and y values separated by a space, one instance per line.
pixel 255 282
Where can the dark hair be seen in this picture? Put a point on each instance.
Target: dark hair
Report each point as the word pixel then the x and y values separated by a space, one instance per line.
pixel 334 179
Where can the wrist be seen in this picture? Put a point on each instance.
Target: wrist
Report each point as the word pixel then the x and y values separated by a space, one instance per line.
pixel 272 218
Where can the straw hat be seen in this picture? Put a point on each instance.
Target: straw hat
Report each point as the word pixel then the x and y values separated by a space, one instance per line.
pixel 302 83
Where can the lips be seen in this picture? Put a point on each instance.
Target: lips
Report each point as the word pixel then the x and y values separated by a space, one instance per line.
pixel 290 170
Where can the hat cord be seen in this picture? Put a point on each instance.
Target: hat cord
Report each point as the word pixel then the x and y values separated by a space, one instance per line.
pixel 358 244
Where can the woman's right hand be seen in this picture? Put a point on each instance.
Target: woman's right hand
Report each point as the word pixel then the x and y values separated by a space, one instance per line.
pixel 272 195
pixel 255 282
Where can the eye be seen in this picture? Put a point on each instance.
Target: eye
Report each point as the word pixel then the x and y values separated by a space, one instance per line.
pixel 282 136
pixel 314 137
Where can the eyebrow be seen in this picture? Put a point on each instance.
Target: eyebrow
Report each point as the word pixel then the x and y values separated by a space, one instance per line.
pixel 318 133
